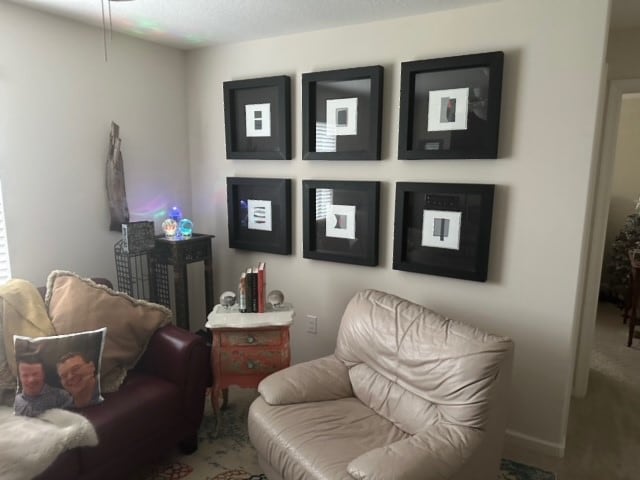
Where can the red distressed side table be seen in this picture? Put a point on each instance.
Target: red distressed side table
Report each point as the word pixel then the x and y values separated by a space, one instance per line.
pixel 247 347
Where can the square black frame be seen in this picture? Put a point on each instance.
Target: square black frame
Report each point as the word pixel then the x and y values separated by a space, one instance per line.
pixel 364 197
pixel 275 190
pixel 318 87
pixel 473 136
pixel 471 205
pixel 276 91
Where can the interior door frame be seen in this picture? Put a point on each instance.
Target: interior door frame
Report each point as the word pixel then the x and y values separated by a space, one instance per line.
pixel 599 217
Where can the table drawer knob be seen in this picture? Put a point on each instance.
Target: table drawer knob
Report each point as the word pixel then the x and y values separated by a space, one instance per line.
pixel 251 365
pixel 251 339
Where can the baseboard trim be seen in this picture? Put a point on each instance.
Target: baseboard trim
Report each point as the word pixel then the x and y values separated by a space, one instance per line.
pixel 535 444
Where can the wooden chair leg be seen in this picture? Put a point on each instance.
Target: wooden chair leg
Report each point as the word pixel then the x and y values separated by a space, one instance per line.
pixel 635 291
pixel 627 302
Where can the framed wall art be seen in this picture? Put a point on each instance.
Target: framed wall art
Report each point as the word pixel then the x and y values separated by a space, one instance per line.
pixel 443 229
pixel 257 118
pixel 259 214
pixel 450 107
pixel 342 114
pixel 340 221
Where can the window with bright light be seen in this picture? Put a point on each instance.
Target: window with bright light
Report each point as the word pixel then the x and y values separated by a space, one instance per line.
pixel 5 265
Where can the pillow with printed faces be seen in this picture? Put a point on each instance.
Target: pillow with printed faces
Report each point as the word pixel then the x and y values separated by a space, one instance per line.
pixel 61 371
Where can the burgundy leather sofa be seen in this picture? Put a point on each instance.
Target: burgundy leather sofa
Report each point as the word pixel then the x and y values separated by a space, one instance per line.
pixel 158 407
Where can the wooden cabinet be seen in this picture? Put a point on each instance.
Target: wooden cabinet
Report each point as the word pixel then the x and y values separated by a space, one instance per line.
pixel 246 348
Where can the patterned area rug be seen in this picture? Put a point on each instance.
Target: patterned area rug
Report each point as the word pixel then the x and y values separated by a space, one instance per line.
pixel 228 454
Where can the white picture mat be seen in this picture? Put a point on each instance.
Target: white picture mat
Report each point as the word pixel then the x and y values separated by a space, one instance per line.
pixel 435 121
pixel 264 117
pixel 259 215
pixel 351 106
pixel 429 230
pixel 349 230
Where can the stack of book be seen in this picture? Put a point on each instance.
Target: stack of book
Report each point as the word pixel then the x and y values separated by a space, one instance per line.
pixel 251 290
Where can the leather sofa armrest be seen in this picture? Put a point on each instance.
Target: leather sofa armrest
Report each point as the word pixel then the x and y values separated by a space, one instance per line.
pixel 181 358
pixel 325 378
pixel 435 454
pixel 170 353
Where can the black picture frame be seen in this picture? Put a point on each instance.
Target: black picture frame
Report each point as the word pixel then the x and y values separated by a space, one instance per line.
pixel 455 241
pixel 259 214
pixel 354 239
pixel 266 135
pixel 450 107
pixel 353 99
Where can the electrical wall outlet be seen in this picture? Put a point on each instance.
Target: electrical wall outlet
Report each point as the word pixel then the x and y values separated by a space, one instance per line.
pixel 312 324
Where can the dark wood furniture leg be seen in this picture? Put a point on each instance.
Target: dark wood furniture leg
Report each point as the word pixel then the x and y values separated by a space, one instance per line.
pixel 633 310
pixel 208 278
pixel 181 289
pixel 634 293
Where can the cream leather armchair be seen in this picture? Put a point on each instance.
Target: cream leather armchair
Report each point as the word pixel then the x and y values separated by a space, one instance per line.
pixel 408 394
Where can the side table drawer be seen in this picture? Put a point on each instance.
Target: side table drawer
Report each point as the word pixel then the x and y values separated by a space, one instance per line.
pixel 245 338
pixel 248 362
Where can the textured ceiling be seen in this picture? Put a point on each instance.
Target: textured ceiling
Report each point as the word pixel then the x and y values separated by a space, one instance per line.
pixel 194 23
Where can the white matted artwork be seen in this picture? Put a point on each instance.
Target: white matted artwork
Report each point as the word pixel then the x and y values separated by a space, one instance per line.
pixel 342 116
pixel 341 221
pixel 441 229
pixel 259 215
pixel 258 118
pixel 448 109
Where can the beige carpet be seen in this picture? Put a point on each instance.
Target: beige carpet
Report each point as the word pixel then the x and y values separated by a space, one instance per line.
pixel 603 439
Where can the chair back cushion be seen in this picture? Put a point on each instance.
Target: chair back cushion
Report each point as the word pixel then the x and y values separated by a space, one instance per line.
pixel 416 367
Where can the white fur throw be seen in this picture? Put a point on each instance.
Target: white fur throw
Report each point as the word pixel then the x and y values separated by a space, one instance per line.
pixel 29 445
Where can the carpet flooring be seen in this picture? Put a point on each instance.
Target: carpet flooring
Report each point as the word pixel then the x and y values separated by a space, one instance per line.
pixel 228 455
pixel 603 434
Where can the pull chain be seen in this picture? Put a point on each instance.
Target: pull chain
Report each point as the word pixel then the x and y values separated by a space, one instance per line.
pixel 104 28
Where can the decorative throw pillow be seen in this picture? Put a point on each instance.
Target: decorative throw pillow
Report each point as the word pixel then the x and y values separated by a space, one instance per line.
pixel 22 312
pixel 62 371
pixel 75 304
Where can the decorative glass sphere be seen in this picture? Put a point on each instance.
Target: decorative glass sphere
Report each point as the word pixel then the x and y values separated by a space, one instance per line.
pixel 275 298
pixel 186 228
pixel 170 228
pixel 175 214
pixel 227 299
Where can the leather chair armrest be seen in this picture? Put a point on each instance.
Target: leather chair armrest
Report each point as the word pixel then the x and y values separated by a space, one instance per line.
pixel 434 454
pixel 325 378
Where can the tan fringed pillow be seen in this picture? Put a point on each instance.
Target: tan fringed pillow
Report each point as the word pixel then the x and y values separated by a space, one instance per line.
pixel 76 304
pixel 22 312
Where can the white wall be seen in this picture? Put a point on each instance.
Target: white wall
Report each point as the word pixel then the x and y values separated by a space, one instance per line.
pixel 622 54
pixel 624 63
pixel 57 100
pixel 625 186
pixel 550 89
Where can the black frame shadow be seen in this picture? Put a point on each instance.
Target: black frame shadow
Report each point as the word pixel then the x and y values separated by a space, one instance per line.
pixel 238 94
pixel 456 241
pixel 355 240
pixel 274 236
pixel 334 92
pixel 462 120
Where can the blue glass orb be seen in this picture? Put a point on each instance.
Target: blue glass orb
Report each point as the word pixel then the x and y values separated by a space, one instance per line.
pixel 186 227
pixel 175 213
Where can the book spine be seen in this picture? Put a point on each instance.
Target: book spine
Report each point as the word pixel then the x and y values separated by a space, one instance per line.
pixel 262 279
pixel 242 294
pixel 249 289
pixel 254 290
